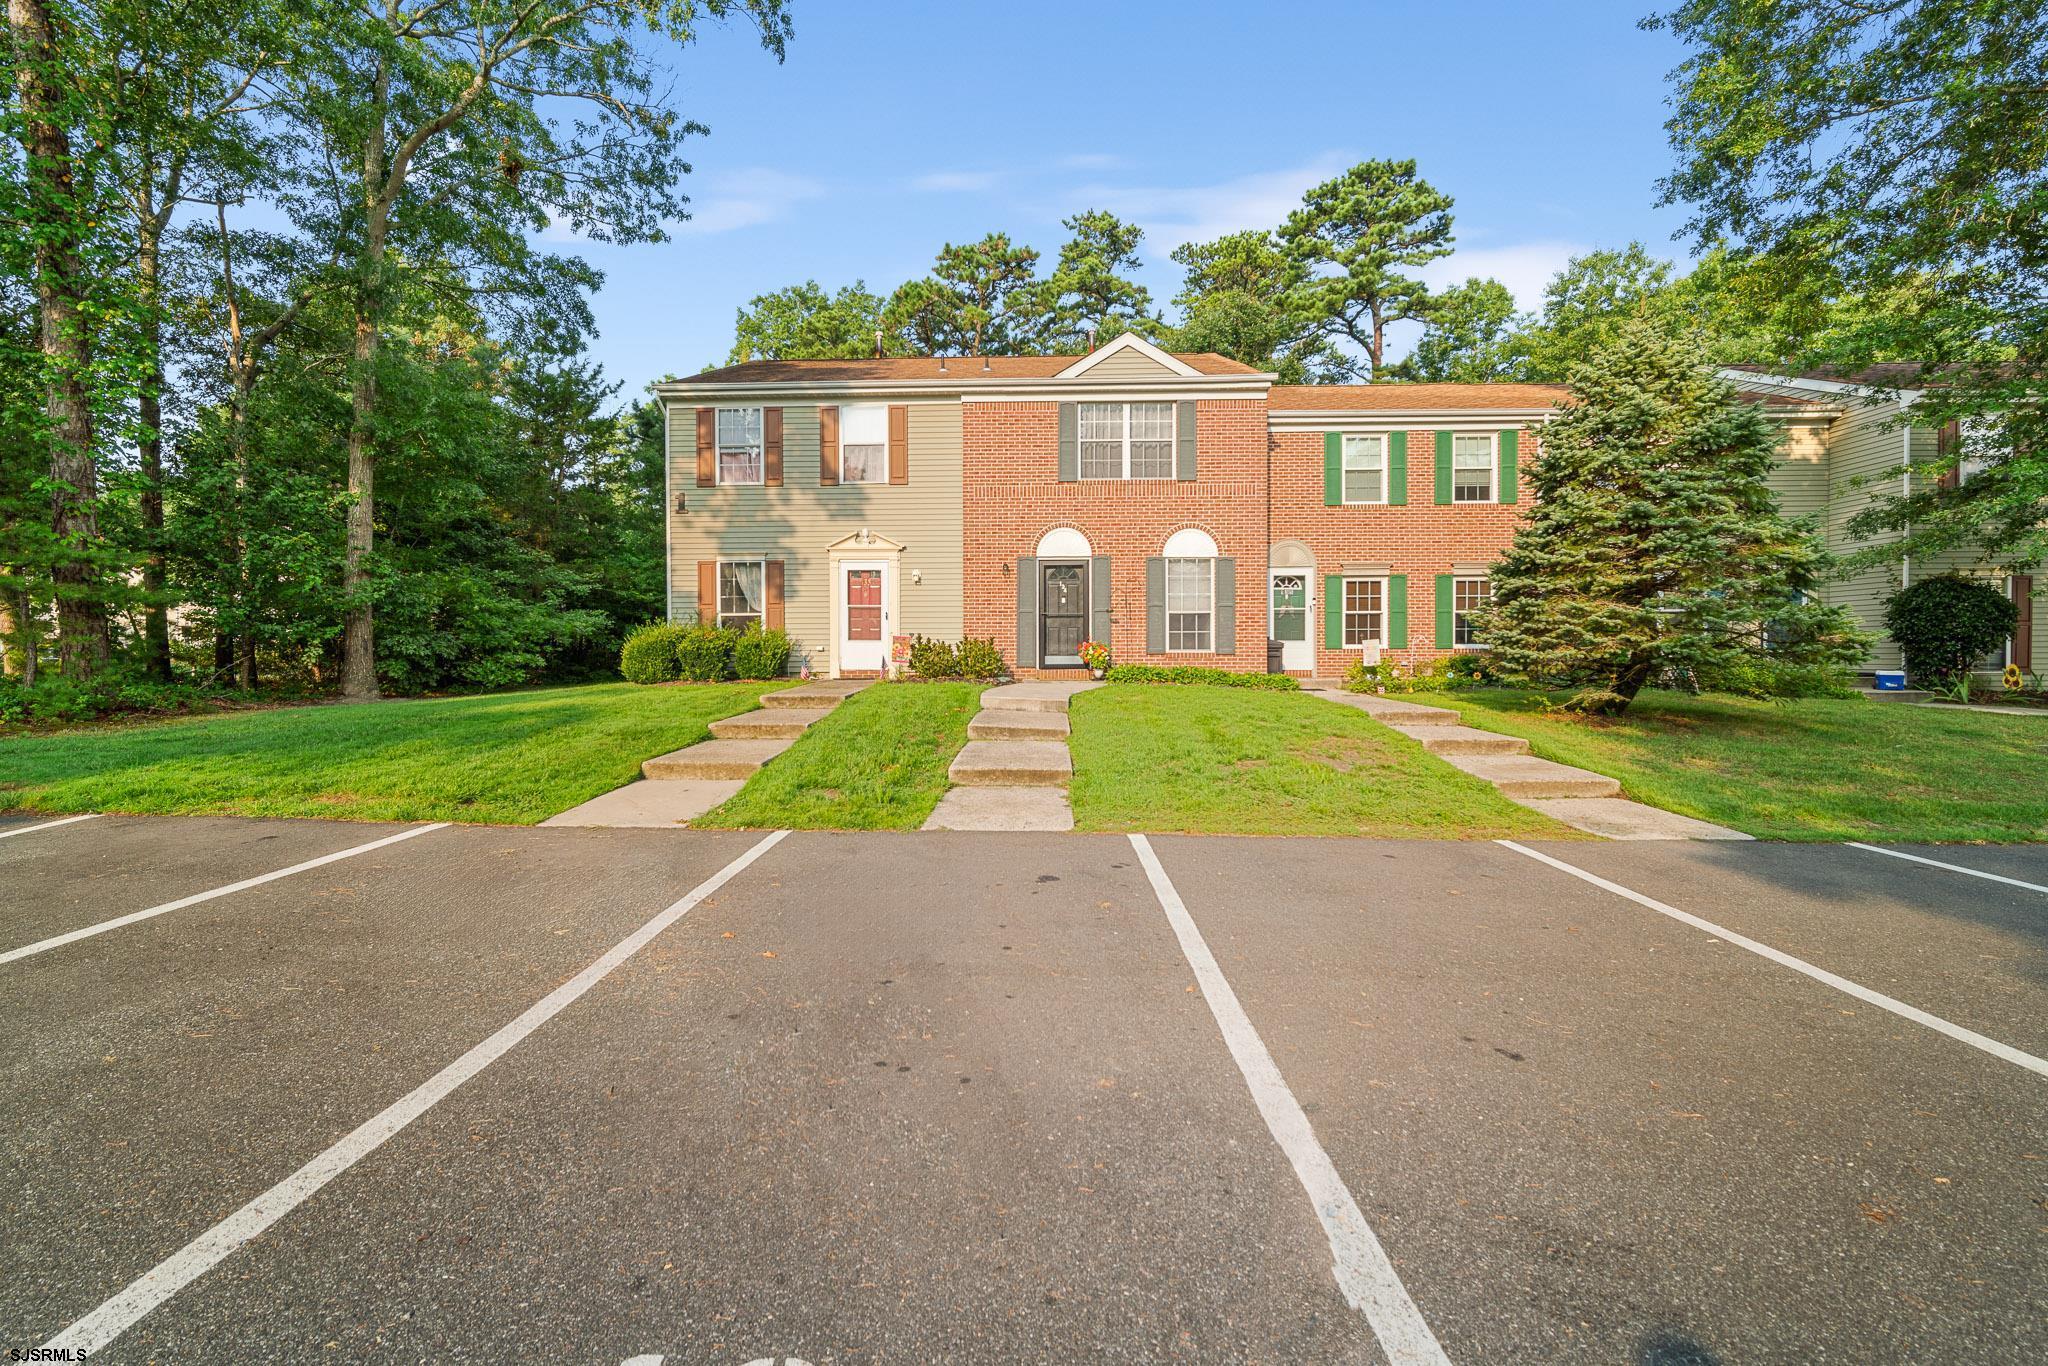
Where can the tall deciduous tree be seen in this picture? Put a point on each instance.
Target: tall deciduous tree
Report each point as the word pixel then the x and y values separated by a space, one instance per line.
pixel 1895 140
pixel 804 322
pixel 1470 335
pixel 1357 237
pixel 1655 542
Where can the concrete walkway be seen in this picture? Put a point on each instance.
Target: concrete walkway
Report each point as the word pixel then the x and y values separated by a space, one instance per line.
pixel 677 787
pixel 1585 801
pixel 1013 772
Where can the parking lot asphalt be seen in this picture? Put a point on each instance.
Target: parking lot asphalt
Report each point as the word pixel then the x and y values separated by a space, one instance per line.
pixel 964 1097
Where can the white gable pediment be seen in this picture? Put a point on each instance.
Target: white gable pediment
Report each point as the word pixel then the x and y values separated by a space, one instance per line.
pixel 1130 345
pixel 866 540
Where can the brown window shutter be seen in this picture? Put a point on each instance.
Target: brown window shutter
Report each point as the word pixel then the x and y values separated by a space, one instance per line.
pixel 707 447
pixel 1948 441
pixel 771 611
pixel 828 446
pixel 771 446
pixel 707 590
pixel 2023 630
pixel 899 443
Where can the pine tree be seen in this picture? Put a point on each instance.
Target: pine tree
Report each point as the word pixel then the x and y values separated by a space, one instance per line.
pixel 1655 543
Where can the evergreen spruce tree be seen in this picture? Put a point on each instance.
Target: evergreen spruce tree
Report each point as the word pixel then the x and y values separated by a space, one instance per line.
pixel 1655 543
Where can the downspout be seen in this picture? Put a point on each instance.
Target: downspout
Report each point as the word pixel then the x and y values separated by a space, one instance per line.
pixel 1906 490
pixel 668 530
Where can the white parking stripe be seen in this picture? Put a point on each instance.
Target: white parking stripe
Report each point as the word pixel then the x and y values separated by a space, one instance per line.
pixel 2005 1052
pixel 58 941
pixel 1952 867
pixel 1363 1272
pixel 47 825
pixel 224 1239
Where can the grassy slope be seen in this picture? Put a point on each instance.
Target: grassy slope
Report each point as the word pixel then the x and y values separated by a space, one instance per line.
pixel 878 762
pixel 513 758
pixel 1815 770
pixel 1232 761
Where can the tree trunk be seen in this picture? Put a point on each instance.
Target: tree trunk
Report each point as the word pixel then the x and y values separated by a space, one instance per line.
pixel 55 223
pixel 358 632
pixel 223 653
pixel 156 631
pixel 1628 683
pixel 11 633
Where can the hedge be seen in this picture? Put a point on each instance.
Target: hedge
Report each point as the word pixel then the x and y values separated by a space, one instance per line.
pixel 1190 673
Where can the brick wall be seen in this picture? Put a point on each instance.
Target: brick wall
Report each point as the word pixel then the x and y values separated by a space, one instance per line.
pixel 1421 540
pixel 1013 496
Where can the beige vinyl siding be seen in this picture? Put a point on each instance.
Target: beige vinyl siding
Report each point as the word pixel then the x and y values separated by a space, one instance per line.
pixel 797 521
pixel 1129 365
pixel 1865 448
pixel 1800 478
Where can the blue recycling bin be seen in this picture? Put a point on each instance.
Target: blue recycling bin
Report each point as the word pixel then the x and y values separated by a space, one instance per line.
pixel 1891 680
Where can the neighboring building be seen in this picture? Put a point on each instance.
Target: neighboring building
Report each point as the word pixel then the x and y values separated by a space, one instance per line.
pixel 1183 508
pixel 1847 443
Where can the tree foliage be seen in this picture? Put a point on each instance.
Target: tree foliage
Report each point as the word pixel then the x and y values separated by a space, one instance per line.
pixel 1947 624
pixel 1469 336
pixel 1357 239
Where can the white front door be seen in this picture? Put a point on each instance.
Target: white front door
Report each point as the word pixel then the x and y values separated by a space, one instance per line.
pixel 863 593
pixel 1288 597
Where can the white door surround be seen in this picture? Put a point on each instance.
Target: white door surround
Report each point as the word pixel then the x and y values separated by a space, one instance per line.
pixel 1290 617
pixel 864 551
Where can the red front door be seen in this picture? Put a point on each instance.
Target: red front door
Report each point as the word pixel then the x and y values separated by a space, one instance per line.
pixel 863 604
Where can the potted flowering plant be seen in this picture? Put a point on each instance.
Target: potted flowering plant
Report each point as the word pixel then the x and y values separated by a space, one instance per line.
pixel 1095 655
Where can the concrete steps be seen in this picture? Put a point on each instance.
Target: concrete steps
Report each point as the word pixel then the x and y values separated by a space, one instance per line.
pixel 716 759
pixel 768 723
pixel 1012 763
pixel 1032 696
pixel 1895 695
pixel 1442 739
pixel 1523 777
pixel 741 744
pixel 819 692
pixel 1019 725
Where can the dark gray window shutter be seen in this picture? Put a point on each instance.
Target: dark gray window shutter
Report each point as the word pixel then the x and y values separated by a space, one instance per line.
pixel 1070 443
pixel 1098 599
pixel 1155 605
pixel 1184 448
pixel 1027 611
pixel 1226 605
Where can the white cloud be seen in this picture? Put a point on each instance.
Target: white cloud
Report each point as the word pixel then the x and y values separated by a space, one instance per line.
pixel 747 198
pixel 956 182
pixel 1524 267
pixel 1172 215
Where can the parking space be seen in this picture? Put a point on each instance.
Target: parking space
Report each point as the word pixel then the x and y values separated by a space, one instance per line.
pixel 962 1097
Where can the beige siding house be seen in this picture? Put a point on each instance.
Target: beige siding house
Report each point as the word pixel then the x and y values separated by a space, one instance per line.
pixel 1845 445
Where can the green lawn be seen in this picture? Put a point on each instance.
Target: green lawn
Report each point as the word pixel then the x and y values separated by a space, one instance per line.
pixel 1816 770
pixel 878 762
pixel 511 758
pixel 1210 760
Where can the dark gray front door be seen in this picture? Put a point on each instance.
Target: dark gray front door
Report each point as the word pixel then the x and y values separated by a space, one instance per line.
pixel 1062 613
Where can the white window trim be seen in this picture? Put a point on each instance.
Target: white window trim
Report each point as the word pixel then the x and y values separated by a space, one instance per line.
pixel 843 443
pixel 1344 597
pixel 718 449
pixel 1457 579
pixel 1166 604
pixel 718 613
pixel 1172 442
pixel 1343 446
pixel 1493 442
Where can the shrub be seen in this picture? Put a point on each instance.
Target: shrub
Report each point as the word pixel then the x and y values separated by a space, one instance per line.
pixel 1444 673
pixel 760 653
pixel 1191 673
pixel 980 659
pixel 934 658
pixel 1774 678
pixel 1946 624
pixel 705 652
pixel 649 654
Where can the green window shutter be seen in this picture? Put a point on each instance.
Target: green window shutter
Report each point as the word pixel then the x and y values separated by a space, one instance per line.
pixel 1333 611
pixel 1333 469
pixel 1446 599
pixel 1397 468
pixel 1070 443
pixel 1027 611
pixel 1098 598
pixel 1443 468
pixel 1510 466
pixel 1224 636
pixel 1397 611
pixel 1155 605
pixel 1184 445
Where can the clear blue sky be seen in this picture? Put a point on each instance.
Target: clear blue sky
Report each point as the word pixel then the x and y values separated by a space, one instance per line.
pixel 897 125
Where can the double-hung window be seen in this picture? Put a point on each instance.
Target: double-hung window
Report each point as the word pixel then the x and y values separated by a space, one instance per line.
pixel 1190 604
pixel 864 443
pixel 739 446
pixel 1126 440
pixel 1467 596
pixel 1365 469
pixel 1365 616
pixel 1472 468
pixel 741 591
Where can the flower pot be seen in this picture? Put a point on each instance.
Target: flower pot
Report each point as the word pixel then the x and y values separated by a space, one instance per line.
pixel 1095 673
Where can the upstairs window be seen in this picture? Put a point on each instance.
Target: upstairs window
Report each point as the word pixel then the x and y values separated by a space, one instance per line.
pixel 1126 440
pixel 864 443
pixel 739 446
pixel 1365 469
pixel 1472 468
pixel 1468 596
